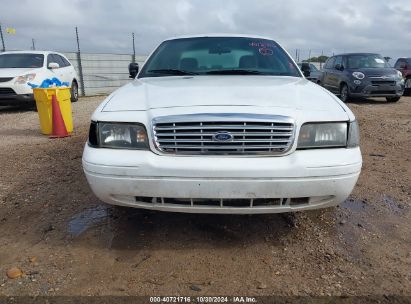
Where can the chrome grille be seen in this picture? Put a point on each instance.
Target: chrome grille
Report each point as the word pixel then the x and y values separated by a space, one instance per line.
pixel 247 133
pixel 383 82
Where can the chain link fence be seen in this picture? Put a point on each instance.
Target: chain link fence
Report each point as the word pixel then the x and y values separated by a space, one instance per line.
pixel 101 74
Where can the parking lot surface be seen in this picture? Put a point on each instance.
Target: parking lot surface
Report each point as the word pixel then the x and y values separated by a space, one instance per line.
pixel 66 242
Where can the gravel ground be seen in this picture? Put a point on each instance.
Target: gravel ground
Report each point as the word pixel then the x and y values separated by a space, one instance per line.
pixel 66 242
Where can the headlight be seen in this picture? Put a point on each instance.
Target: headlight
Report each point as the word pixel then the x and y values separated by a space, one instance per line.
pixel 358 75
pixel 25 78
pixel 323 135
pixel 399 75
pixel 353 135
pixel 118 135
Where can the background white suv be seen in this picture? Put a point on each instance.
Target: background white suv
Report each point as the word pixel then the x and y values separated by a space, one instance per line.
pixel 20 67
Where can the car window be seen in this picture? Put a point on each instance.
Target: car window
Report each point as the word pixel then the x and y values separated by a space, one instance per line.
pixel 65 61
pixel 313 68
pixel 50 58
pixel 58 59
pixel 398 63
pixel 220 55
pixel 330 63
pixel 408 60
pixel 21 60
pixel 338 60
pixel 54 58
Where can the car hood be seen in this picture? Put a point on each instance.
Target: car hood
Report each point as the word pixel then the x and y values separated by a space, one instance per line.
pixel 315 74
pixel 377 72
pixel 14 72
pixel 192 91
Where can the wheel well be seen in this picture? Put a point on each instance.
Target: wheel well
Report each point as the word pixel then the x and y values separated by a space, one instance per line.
pixel 344 83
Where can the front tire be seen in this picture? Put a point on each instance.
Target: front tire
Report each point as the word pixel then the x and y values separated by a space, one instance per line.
pixel 344 93
pixel 74 91
pixel 393 99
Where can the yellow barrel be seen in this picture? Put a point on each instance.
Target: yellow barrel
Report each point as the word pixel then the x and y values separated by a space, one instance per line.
pixel 43 102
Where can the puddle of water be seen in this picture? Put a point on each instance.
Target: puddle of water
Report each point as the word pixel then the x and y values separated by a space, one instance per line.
pixel 392 204
pixel 353 204
pixel 86 219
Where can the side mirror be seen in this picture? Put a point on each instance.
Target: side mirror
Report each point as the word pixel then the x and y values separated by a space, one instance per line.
pixel 133 69
pixel 53 65
pixel 339 67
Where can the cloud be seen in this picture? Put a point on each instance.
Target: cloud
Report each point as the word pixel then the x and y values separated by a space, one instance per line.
pixel 106 26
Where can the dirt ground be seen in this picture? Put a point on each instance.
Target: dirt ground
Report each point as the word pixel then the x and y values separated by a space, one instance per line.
pixel 67 242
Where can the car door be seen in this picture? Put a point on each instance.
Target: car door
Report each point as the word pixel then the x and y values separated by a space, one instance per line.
pixel 327 73
pixel 336 74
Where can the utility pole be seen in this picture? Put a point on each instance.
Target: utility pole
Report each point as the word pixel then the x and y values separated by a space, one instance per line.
pixel 2 39
pixel 321 63
pixel 33 44
pixel 80 67
pixel 134 49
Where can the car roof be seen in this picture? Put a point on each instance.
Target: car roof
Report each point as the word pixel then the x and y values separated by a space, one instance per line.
pixel 351 54
pixel 222 35
pixel 31 52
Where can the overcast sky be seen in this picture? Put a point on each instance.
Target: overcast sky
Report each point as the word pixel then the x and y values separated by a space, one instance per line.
pixel 381 26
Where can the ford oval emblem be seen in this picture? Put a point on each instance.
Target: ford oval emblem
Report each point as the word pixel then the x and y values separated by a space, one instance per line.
pixel 223 136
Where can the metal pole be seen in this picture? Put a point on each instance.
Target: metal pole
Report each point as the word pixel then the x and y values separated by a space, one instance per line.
pixel 134 49
pixel 321 63
pixel 80 67
pixel 2 39
pixel 33 45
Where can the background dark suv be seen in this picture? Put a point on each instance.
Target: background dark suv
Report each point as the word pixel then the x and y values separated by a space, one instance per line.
pixel 404 66
pixel 362 75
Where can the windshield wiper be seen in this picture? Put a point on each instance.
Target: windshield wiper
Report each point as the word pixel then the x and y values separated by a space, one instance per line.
pixel 236 72
pixel 172 72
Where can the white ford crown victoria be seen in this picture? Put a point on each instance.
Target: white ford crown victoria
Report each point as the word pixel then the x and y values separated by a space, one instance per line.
pixel 222 124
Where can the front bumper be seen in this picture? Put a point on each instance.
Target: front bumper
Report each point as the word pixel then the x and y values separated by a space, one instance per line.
pixel 11 94
pixel 15 99
pixel 368 89
pixel 303 180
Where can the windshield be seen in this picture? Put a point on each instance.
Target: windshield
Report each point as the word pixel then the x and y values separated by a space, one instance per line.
pixel 21 60
pixel 219 56
pixel 362 61
pixel 313 68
